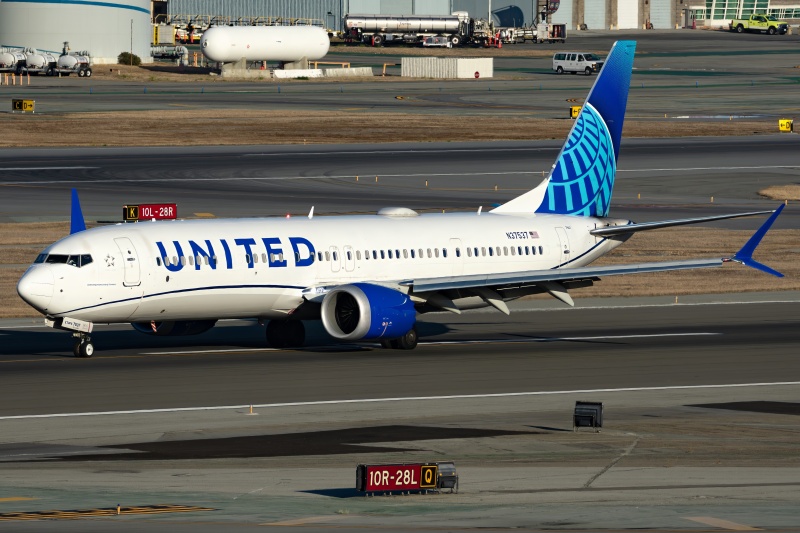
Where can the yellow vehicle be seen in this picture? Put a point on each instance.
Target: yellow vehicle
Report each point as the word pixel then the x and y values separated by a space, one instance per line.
pixel 761 24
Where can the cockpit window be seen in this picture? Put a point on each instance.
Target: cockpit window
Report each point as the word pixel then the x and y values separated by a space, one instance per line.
pixel 57 258
pixel 74 260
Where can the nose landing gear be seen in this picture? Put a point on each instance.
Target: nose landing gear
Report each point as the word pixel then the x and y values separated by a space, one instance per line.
pixel 83 346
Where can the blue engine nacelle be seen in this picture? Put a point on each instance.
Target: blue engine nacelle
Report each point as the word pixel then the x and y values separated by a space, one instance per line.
pixel 365 311
pixel 174 329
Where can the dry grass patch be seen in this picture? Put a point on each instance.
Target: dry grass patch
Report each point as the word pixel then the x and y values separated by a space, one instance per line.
pixel 235 127
pixel 781 192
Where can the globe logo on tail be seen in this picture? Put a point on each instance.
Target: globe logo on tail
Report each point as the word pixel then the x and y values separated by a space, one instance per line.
pixel 583 177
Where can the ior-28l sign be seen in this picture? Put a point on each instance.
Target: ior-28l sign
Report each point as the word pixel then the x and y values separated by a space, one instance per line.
pixel 133 213
pixel 387 478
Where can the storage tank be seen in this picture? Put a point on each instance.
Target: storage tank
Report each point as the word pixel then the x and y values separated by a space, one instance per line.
pixel 71 61
pixel 106 28
pixel 228 44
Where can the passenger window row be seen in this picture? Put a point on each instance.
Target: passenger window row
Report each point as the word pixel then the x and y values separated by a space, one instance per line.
pixel 420 253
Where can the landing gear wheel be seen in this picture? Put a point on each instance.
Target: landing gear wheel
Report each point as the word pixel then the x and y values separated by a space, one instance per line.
pixel 588 71
pixel 86 349
pixel 285 333
pixel 83 347
pixel 559 70
pixel 408 341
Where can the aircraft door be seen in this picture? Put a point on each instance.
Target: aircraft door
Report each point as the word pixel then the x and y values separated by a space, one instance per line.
pixel 130 262
pixel 456 257
pixel 349 259
pixel 564 245
pixel 336 260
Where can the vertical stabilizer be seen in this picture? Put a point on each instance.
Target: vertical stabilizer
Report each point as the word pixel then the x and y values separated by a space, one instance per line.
pixel 76 219
pixel 582 178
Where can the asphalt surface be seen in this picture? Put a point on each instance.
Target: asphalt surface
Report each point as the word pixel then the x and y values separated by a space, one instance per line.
pixel 657 178
pixel 700 397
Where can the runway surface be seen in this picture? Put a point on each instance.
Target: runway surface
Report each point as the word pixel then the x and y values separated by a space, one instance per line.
pixel 701 397
pixel 482 352
pixel 657 178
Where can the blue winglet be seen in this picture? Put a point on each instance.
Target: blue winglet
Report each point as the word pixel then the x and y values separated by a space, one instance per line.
pixel 76 220
pixel 745 255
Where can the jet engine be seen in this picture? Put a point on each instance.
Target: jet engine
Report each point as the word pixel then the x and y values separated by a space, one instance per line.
pixel 366 311
pixel 174 329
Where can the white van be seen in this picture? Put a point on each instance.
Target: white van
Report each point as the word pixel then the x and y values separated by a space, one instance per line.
pixel 577 62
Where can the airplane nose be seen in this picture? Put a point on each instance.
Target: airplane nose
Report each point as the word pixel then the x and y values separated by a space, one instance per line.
pixel 36 287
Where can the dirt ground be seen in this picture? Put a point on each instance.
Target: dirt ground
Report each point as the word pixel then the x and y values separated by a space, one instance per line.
pixel 134 128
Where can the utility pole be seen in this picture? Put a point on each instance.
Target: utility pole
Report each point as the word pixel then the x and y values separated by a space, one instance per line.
pixel 130 57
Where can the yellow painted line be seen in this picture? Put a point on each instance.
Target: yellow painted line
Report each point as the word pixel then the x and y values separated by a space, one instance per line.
pixel 720 523
pixel 17 499
pixel 304 521
pixel 204 215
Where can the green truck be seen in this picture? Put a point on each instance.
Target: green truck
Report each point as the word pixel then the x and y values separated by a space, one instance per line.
pixel 760 24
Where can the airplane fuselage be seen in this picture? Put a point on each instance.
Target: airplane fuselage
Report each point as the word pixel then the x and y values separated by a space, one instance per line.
pixel 236 268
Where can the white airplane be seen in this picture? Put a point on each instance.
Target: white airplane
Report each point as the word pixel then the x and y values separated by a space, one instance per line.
pixel 368 276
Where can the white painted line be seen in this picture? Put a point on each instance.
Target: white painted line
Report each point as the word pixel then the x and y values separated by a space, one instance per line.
pixel 401 399
pixel 760 167
pixel 556 339
pixel 17 169
pixel 195 352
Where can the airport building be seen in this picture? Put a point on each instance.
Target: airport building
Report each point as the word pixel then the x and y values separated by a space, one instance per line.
pixel 577 14
pixel 104 29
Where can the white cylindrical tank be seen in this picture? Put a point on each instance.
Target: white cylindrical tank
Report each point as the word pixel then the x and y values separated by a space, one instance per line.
pixel 10 59
pixel 34 59
pixel 228 44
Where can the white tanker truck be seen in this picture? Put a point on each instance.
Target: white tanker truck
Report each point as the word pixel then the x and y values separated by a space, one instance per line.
pixel 33 61
pixel 459 28
pixel 10 59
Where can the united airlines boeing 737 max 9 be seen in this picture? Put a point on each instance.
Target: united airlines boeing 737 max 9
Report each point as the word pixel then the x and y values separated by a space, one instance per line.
pixel 366 277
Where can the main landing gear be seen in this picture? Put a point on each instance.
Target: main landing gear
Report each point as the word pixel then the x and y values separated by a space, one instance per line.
pixel 285 333
pixel 83 346
pixel 406 342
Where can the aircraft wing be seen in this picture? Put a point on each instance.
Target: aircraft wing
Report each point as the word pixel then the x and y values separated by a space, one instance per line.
pixel 555 277
pixel 558 275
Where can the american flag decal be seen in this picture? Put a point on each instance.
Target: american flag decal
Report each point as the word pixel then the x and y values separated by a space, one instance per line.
pixel 534 234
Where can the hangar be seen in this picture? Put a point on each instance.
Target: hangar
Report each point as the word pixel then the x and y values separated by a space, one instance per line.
pixel 577 14
pixel 105 29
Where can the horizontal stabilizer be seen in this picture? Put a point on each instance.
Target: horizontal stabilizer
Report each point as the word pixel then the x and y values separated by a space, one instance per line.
pixel 745 255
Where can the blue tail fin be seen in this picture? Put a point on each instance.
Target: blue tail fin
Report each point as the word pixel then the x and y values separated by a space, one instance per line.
pixel 76 218
pixel 582 178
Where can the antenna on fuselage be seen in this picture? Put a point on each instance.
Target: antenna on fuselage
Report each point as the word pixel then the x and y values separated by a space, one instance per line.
pixel 76 218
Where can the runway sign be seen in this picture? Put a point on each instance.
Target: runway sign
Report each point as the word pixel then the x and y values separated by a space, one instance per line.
pixel 26 106
pixel 134 213
pixel 390 478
